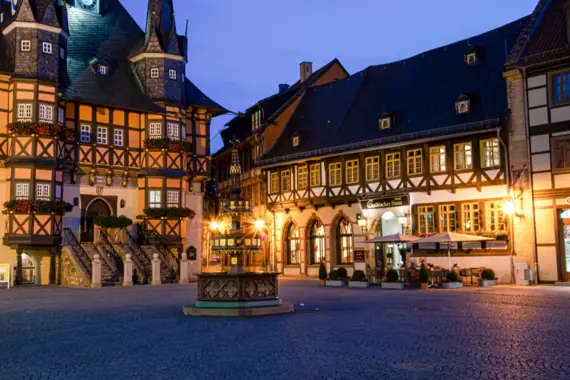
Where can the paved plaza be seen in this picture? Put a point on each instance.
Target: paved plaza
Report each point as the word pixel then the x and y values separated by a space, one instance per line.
pixel 140 333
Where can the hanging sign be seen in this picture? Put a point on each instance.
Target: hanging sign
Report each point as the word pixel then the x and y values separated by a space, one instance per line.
pixel 5 276
pixel 191 253
pixel 234 261
pixel 378 203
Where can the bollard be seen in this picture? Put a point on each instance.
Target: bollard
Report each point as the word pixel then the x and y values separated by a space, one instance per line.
pixel 96 272
pixel 128 272
pixel 155 270
pixel 184 269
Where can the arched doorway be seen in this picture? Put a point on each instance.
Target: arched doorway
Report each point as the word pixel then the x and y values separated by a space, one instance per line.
pixel 97 207
pixel 390 225
pixel 29 271
pixel 316 240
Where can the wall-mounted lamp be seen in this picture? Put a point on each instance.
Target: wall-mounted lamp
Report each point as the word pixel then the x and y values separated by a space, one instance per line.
pixel 362 223
pixel 123 203
pixel 76 201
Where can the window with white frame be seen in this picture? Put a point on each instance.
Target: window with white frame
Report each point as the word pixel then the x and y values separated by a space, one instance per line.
pixel 118 138
pixel 471 217
pixel 173 131
pixel 172 74
pixel 172 198
pixel 426 220
pixel 46 113
pixel 58 191
pixel 103 69
pixel 22 191
pixel 495 220
pixel 42 191
pixel 415 159
pixel 490 153
pixel 102 135
pixel 463 156
pixel 60 115
pixel 25 111
pixel 26 45
pixel 154 72
pixel 447 218
pixel 155 131
pixel 256 120
pixel 437 159
pixel 154 200
pixel 47 47
pixel 85 135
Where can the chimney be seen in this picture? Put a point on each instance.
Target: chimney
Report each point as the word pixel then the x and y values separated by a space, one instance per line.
pixel 283 87
pixel 566 7
pixel 306 70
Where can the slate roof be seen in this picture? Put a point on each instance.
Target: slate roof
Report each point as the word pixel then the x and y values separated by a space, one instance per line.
pixel 240 126
pixel 420 93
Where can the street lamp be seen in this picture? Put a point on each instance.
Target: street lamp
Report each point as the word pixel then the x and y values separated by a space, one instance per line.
pixel 362 223
pixel 259 225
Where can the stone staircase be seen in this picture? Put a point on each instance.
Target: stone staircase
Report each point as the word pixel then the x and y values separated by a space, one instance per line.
pixel 167 273
pixel 109 272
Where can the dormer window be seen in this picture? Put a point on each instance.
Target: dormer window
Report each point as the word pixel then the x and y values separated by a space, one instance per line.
pixel 256 120
pixel 463 104
pixel 385 121
pixel 471 58
pixel 103 69
pixel 296 140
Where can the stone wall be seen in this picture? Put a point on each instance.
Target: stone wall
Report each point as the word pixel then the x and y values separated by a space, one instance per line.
pixel 71 273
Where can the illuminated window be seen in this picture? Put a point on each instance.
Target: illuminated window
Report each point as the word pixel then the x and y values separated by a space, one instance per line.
pixel 437 159
pixel 372 169
pixel 85 136
pixel 302 177
pixel 46 113
pixel 293 245
pixel 155 130
pixel 495 220
pixel 316 243
pixel 26 45
pixel 296 141
pixel 42 191
pixel 173 131
pixel 462 106
pixel 256 120
pixel 315 175
pixel 102 135
pixel 352 171
pixel 385 122
pixel 471 217
pixel 426 220
pixel 118 139
pixel 25 111
pixel 447 218
pixel 463 156
pixel 22 191
pixel 393 165
pixel 286 180
pixel 154 73
pixel 471 58
pixel 274 184
pixel 172 198
pixel 415 158
pixel 490 153
pixel 335 174
pixel 344 241
pixel 155 199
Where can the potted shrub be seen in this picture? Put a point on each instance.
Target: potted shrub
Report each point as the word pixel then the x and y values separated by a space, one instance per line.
pixel 452 281
pixel 359 280
pixel 323 274
pixel 392 280
pixel 424 277
pixel 335 279
pixel 488 278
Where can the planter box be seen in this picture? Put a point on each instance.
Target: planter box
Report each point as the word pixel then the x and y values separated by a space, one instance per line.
pixel 358 284
pixel 336 283
pixel 452 285
pixel 487 283
pixel 393 285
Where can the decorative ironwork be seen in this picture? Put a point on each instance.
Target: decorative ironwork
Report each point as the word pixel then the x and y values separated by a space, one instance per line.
pixel 237 287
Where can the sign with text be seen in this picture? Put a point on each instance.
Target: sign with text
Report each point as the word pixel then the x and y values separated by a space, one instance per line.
pixel 191 253
pixel 359 255
pixel 4 276
pixel 373 204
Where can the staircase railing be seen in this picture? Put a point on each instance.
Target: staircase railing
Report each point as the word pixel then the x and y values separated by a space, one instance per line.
pixel 151 237
pixel 114 259
pixel 81 256
pixel 140 259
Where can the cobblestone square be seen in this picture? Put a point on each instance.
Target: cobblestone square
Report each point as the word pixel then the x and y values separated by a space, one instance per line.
pixel 140 333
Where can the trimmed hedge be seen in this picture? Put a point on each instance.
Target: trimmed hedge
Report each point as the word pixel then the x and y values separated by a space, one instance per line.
pixel 342 273
pixel 392 276
pixel 488 274
pixel 333 276
pixel 112 221
pixel 453 277
pixel 358 276
pixel 322 272
pixel 423 274
pixel 170 212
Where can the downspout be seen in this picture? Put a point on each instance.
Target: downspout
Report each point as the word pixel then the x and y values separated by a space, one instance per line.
pixel 509 191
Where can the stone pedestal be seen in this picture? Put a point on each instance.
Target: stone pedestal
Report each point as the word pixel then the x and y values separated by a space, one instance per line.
pixel 184 269
pixel 128 271
pixel 96 272
pixel 156 270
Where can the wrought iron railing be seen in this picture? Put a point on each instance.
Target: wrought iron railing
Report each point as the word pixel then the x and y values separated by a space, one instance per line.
pixel 113 258
pixel 150 237
pixel 69 239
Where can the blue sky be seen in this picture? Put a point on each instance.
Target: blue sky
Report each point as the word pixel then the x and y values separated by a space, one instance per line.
pixel 239 51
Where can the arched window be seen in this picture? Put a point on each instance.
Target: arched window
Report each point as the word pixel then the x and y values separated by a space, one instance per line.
pixel 316 243
pixel 344 241
pixel 293 245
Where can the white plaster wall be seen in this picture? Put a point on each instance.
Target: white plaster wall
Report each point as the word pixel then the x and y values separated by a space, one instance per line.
pixel 536 81
pixel 540 143
pixel 545 229
pixel 194 229
pixel 542 181
pixel 460 195
pixel 501 265
pixel 540 162
pixel 538 116
pixel 547 264
pixel 537 97
pixel 560 114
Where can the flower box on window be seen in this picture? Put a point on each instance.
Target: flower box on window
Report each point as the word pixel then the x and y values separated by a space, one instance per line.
pixel 25 128
pixel 23 206
pixel 170 212
pixel 169 144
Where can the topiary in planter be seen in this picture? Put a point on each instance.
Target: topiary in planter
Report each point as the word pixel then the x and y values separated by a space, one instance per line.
pixel 423 274
pixel 453 277
pixel 342 273
pixel 333 276
pixel 322 272
pixel 392 276
pixel 488 274
pixel 358 276
pixel 112 221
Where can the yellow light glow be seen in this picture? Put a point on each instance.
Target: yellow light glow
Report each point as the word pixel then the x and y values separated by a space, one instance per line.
pixel 259 224
pixel 508 207
pixel 362 222
pixel 214 226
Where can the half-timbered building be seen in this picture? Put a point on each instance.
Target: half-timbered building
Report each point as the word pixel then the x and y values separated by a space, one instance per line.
pixel 96 112
pixel 416 146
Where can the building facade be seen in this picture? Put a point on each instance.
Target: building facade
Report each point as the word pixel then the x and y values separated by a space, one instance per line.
pixel 97 113
pixel 419 146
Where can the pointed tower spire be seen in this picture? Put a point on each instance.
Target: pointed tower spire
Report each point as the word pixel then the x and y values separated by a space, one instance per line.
pixel 160 17
pixel 235 170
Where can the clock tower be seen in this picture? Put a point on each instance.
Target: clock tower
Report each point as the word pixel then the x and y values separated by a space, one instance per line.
pixel 88 5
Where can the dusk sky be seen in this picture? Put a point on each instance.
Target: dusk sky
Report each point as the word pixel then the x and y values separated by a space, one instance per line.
pixel 239 51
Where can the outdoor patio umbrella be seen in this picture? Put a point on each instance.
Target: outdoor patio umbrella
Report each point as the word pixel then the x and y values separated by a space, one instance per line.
pixel 397 238
pixel 451 237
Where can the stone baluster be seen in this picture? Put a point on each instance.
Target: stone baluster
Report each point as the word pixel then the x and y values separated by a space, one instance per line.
pixel 128 271
pixel 96 272
pixel 155 270
pixel 184 279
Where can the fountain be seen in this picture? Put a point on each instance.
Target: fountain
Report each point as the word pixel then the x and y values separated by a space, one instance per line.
pixel 237 293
